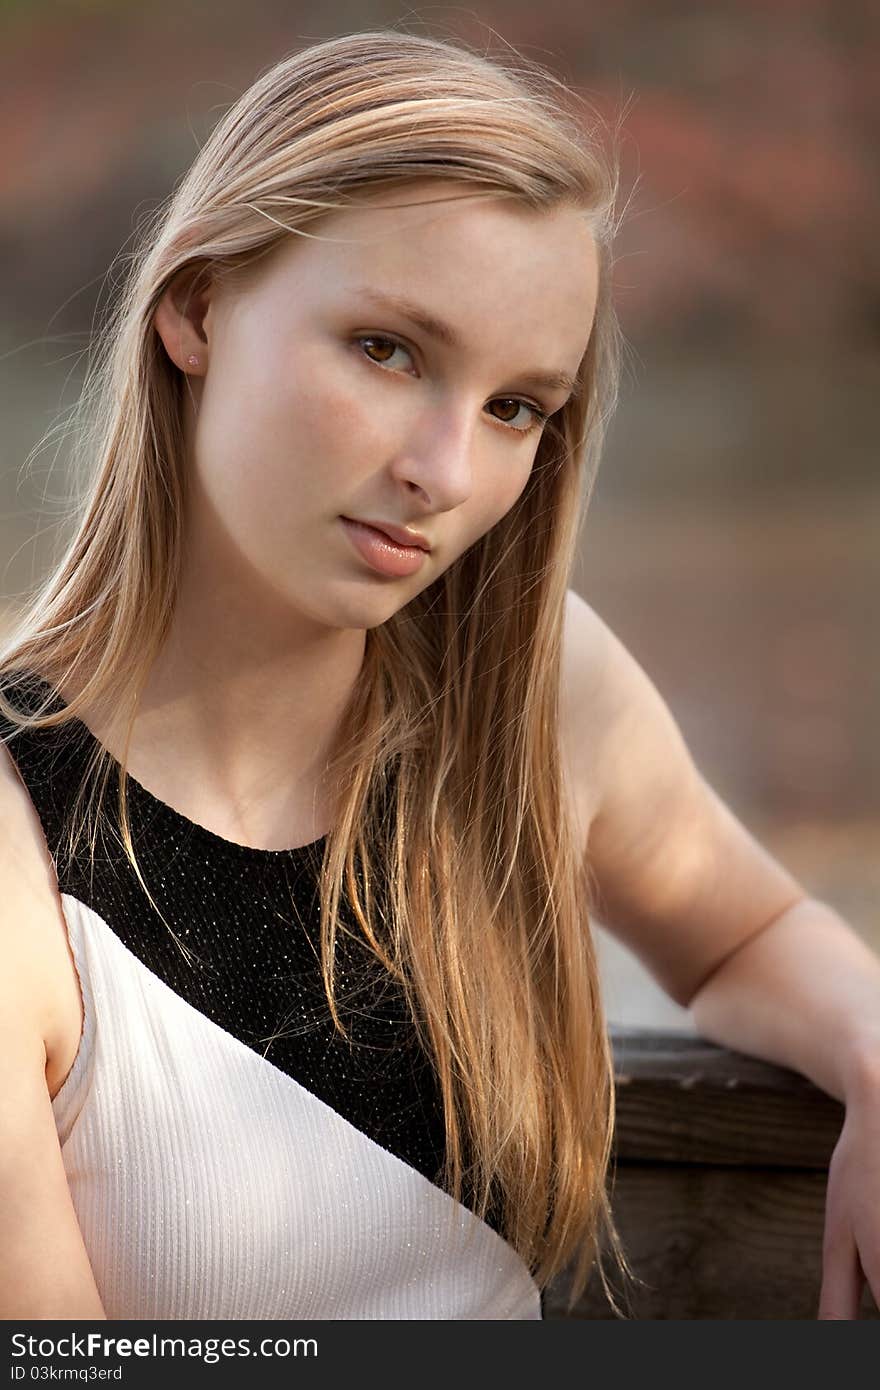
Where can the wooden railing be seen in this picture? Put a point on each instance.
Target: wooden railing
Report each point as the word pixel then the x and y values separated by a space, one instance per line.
pixel 720 1172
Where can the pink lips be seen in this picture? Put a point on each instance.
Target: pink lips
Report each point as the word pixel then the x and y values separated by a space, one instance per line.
pixel 401 534
pixel 381 553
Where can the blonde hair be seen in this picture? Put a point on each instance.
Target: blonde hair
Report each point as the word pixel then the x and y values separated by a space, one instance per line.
pixel 482 912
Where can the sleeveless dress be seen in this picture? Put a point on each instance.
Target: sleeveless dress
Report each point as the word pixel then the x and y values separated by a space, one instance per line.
pixel 228 1153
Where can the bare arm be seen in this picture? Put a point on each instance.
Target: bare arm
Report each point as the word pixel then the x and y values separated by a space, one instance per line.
pixel 45 1271
pixel 725 929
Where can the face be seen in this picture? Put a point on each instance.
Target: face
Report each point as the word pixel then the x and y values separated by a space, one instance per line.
pixel 394 371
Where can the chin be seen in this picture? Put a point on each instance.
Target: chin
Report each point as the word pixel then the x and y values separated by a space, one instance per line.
pixel 354 606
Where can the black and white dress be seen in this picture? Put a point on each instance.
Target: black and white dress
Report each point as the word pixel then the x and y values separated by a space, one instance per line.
pixel 218 1170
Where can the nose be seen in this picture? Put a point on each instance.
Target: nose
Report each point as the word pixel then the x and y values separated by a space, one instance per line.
pixel 436 459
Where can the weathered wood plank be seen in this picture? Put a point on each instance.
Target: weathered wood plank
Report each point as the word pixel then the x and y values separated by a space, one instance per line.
pixel 683 1100
pixel 715 1243
pixel 718 1185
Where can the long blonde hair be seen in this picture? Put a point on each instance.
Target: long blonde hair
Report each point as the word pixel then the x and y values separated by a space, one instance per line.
pixel 484 893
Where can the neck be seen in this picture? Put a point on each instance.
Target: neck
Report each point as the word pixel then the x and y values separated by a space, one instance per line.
pixel 236 734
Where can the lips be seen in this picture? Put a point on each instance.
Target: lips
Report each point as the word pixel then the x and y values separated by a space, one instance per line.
pixel 380 552
pixel 399 534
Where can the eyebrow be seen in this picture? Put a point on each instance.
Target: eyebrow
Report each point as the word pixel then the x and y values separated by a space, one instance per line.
pixel 444 333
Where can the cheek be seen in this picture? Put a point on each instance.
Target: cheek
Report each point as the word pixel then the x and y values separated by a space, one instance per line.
pixel 499 492
pixel 335 431
pixel 508 485
pixel 331 417
pixel 271 440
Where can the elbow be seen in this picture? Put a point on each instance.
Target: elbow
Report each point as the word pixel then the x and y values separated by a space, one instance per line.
pixel 687 997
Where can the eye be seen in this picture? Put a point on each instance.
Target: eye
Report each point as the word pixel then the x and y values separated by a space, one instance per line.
pixel 383 345
pixel 389 346
pixel 537 417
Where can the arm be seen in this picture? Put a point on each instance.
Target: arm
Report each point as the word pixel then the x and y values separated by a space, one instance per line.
pixel 805 992
pixel 724 928
pixel 45 1270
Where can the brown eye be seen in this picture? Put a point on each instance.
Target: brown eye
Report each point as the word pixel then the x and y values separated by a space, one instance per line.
pixel 384 344
pixel 380 349
pixel 536 417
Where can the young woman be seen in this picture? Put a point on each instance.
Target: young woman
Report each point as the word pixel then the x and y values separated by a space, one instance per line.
pixel 315 767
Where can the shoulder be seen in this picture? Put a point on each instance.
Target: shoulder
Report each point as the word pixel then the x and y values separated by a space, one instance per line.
pixel 34 949
pixel 677 877
pixel 599 682
pixel 624 755
pixel 585 643
pixel 621 738
pixel 45 1271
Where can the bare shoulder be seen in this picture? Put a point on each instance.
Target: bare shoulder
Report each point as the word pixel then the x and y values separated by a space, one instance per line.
pixel 676 876
pixel 604 688
pixel 624 748
pixel 588 704
pixel 45 1270
pixel 34 948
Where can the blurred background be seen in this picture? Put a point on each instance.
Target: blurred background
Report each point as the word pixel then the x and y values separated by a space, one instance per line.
pixel 733 540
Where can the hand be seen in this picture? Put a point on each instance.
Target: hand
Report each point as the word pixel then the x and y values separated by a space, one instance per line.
pixel 851 1245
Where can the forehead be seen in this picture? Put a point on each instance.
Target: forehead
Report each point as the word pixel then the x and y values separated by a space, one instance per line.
pixel 440 214
pixel 470 223
pixel 487 264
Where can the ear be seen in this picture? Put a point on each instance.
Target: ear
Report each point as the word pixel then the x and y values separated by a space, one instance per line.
pixel 180 319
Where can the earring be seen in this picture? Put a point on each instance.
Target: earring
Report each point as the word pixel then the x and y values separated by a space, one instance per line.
pixel 192 360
